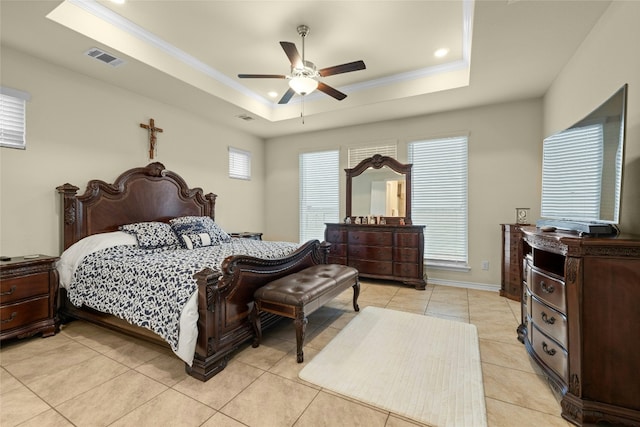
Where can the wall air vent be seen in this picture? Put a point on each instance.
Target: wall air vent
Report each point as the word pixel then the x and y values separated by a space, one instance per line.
pixel 105 57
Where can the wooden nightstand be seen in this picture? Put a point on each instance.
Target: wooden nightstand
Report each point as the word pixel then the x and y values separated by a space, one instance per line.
pixel 247 235
pixel 28 294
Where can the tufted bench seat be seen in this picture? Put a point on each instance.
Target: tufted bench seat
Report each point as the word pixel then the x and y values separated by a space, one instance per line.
pixel 299 294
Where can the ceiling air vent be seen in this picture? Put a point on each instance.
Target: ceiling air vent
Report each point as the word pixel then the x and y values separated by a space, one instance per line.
pixel 245 117
pixel 105 57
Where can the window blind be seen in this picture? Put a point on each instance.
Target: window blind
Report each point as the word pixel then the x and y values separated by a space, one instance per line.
pixel 358 154
pixel 319 192
pixel 13 118
pixel 439 197
pixel 571 174
pixel 239 164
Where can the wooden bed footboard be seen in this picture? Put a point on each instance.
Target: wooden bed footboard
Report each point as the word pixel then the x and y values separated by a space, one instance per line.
pixel 226 299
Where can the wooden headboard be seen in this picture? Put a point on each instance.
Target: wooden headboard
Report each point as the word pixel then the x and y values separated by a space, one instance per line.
pixel 150 193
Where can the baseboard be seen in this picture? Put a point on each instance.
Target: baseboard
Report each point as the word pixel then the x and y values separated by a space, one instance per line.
pixel 468 285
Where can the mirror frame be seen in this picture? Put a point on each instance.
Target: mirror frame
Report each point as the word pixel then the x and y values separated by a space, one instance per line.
pixel 377 161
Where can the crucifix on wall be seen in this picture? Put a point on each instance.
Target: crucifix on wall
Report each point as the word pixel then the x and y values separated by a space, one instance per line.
pixel 151 127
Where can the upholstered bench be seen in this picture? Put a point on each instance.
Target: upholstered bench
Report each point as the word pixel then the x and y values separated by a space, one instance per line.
pixel 299 294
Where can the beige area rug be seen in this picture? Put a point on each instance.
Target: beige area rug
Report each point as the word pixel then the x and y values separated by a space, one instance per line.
pixel 423 368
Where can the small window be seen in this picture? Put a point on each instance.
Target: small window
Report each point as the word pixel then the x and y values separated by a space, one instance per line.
pixel 239 164
pixel 13 118
pixel 358 154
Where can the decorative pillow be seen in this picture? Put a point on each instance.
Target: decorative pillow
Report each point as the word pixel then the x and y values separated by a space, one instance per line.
pixel 152 235
pixel 200 240
pixel 190 225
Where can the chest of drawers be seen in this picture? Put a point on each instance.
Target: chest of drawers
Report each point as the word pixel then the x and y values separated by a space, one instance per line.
pixel 392 252
pixel 28 292
pixel 579 322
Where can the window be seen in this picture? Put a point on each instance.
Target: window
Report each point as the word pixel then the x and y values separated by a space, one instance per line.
pixel 13 118
pixel 239 164
pixel 319 193
pixel 439 198
pixel 358 154
pixel 572 173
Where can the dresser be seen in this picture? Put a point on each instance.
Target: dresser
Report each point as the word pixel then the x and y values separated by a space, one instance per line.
pixel 391 252
pixel 580 317
pixel 28 292
pixel 512 254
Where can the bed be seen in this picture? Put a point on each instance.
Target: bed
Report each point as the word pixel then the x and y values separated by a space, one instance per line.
pixel 223 294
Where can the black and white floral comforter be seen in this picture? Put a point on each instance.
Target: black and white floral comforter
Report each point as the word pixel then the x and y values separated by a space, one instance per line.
pixel 150 288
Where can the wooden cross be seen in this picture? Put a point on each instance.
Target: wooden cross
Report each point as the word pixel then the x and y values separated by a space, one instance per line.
pixel 151 127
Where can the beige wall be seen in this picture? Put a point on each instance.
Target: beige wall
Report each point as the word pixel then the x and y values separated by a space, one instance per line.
pixel 607 59
pixel 504 173
pixel 79 128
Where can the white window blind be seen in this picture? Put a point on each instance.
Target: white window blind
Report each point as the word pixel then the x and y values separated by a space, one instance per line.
pixel 13 118
pixel 358 154
pixel 571 174
pixel 239 164
pixel 439 197
pixel 319 193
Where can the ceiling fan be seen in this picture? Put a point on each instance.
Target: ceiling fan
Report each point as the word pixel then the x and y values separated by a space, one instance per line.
pixel 305 77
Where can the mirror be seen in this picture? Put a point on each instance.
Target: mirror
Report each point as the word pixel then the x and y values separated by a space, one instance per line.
pixel 380 186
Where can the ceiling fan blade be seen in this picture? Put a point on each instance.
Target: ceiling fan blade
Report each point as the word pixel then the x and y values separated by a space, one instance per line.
pixel 287 96
pixel 343 68
pixel 262 76
pixel 292 53
pixel 331 91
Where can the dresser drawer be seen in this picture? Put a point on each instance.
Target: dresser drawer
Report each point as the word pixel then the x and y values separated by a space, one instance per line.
pixel 338 249
pixel 406 269
pixel 372 267
pixel 549 351
pixel 24 313
pixel 336 235
pixel 374 238
pixel 371 253
pixel 548 289
pixel 406 255
pixel 18 288
pixel 407 240
pixel 550 321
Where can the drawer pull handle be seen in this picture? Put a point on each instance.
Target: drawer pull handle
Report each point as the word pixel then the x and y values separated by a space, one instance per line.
pixel 546 349
pixel 547 288
pixel 10 291
pixel 548 320
pixel 10 319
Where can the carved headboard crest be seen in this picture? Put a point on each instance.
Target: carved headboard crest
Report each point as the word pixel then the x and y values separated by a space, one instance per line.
pixel 150 193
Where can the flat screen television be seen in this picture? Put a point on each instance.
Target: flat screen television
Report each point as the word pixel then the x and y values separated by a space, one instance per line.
pixel 582 171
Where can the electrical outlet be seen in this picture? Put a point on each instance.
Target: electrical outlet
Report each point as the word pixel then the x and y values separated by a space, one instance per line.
pixel 485 265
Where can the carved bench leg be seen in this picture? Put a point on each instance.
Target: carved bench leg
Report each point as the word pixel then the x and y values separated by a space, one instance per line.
pixel 301 324
pixel 356 293
pixel 254 318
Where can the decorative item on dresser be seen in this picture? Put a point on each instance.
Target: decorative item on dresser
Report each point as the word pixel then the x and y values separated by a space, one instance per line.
pixel 580 321
pixel 29 288
pixel 512 254
pixel 389 246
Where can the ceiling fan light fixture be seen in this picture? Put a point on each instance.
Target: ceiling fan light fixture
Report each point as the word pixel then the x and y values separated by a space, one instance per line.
pixel 303 85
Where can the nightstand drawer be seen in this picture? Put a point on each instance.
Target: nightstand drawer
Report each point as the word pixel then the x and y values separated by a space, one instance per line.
pixel 23 313
pixel 17 288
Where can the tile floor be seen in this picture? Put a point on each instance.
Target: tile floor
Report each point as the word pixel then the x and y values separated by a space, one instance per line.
pixel 89 376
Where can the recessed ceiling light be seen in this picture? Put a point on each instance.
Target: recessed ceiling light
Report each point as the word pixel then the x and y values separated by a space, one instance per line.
pixel 118 1
pixel 442 52
pixel 273 94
